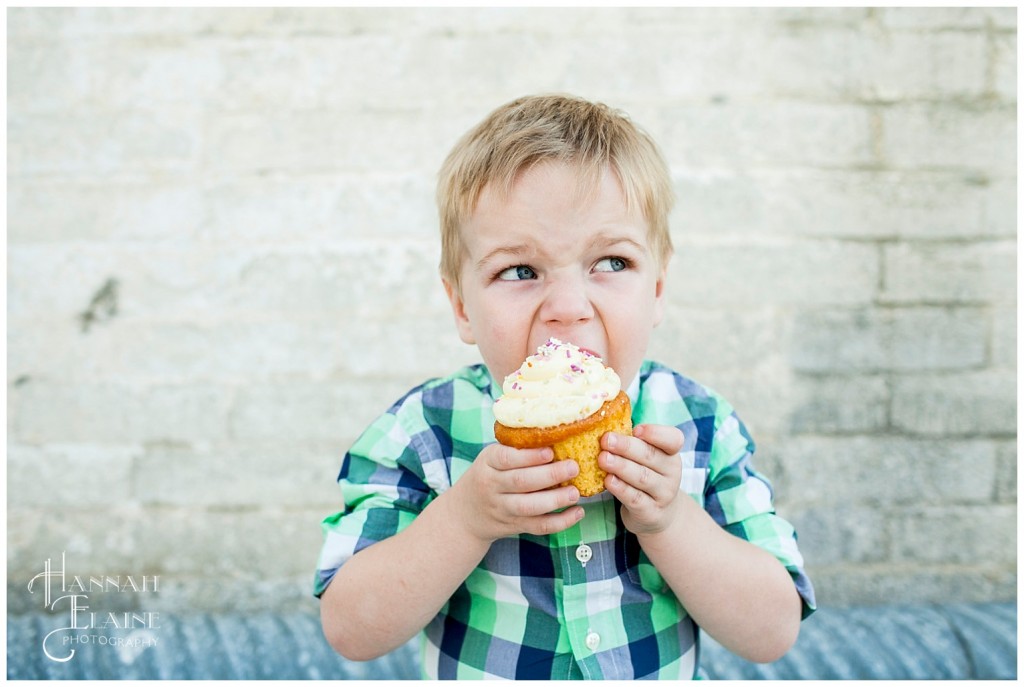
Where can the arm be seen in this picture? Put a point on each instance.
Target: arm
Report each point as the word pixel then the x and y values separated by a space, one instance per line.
pixel 389 591
pixel 738 593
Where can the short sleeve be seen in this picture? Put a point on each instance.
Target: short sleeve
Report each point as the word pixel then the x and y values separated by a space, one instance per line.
pixel 741 500
pixel 382 486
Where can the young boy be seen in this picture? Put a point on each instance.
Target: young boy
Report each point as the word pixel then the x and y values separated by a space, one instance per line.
pixel 554 224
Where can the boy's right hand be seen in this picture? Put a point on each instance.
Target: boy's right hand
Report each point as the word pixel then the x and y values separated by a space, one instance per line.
pixel 509 491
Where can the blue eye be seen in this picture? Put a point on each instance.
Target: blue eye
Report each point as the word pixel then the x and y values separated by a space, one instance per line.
pixel 612 264
pixel 517 273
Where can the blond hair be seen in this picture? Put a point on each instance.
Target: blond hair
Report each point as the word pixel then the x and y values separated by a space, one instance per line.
pixel 561 128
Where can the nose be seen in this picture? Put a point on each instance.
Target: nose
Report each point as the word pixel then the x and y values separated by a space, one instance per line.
pixel 566 302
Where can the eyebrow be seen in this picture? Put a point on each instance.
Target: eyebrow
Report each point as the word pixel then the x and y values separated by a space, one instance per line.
pixel 512 251
pixel 605 241
pixel 601 241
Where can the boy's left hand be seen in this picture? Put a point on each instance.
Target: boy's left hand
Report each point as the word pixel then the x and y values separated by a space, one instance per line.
pixel 644 471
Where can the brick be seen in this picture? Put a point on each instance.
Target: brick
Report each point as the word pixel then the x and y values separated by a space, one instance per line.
pixel 46 411
pixel 773 273
pixel 961 404
pixel 312 412
pixel 367 279
pixel 215 543
pixel 831 535
pixel 86 475
pixel 88 145
pixel 1004 66
pixel 767 135
pixel 245 592
pixel 896 339
pixel 964 534
pixel 846 204
pixel 67 268
pixel 274 210
pixel 158 353
pixel 950 273
pixel 195 547
pixel 839 405
pixel 386 206
pixel 42 210
pixel 886 471
pixel 47 76
pixel 932 18
pixel 327 141
pixel 870 584
pixel 710 339
pixel 96 540
pixel 305 72
pixel 1004 337
pixel 761 395
pixel 416 348
pixel 769 60
pixel 1000 209
pixel 906 66
pixel 185 283
pixel 82 22
pixel 288 475
pixel 154 71
pixel 943 136
pixel 323 209
pixel 169 280
pixel 1006 472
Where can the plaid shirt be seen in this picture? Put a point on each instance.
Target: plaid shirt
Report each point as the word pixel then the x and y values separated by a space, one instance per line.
pixel 582 603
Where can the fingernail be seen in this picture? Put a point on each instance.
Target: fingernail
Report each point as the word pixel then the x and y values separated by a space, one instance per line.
pixel 611 440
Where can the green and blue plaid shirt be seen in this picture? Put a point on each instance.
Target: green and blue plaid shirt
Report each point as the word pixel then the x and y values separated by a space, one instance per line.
pixel 582 603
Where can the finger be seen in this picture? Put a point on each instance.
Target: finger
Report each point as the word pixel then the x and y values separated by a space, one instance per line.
pixel 663 437
pixel 638 476
pixel 501 457
pixel 554 522
pixel 632 498
pixel 538 503
pixel 636 450
pixel 537 477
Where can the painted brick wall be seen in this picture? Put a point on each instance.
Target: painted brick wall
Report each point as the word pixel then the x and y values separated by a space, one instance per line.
pixel 222 264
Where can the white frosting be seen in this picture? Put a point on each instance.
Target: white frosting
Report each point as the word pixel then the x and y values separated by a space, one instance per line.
pixel 558 384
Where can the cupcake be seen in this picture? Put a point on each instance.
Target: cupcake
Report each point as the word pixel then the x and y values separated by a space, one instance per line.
pixel 565 398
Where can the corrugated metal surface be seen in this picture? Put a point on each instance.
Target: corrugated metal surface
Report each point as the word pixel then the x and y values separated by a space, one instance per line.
pixel 889 642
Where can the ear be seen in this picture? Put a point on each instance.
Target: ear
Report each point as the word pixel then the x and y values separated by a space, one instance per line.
pixel 659 297
pixel 459 310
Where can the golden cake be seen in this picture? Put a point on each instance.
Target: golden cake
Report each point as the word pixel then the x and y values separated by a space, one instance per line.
pixel 565 398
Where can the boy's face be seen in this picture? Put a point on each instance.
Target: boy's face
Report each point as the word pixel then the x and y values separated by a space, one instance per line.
pixel 543 263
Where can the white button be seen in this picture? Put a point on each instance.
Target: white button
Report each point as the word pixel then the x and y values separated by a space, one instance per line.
pixel 584 553
pixel 593 640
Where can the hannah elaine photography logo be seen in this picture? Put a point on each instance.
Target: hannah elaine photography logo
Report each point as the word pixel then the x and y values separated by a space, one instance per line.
pixel 70 593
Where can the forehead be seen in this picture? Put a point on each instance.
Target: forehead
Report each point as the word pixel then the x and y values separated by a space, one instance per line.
pixel 555 200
